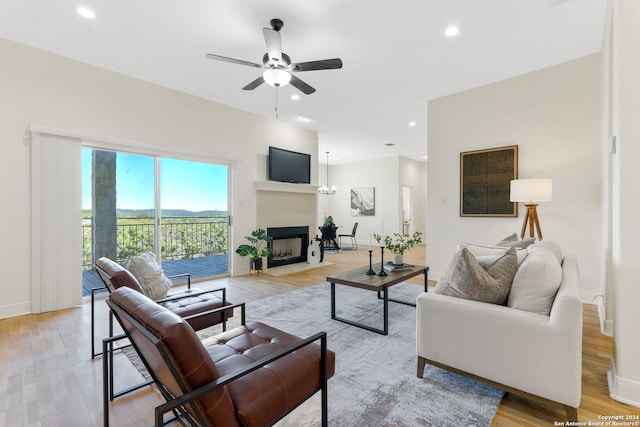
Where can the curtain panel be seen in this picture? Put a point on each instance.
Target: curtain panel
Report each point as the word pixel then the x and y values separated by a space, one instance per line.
pixel 56 218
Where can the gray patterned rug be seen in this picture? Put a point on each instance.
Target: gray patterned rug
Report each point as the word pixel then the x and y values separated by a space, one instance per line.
pixel 375 382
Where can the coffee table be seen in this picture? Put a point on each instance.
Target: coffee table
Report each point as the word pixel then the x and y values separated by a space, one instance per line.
pixel 359 279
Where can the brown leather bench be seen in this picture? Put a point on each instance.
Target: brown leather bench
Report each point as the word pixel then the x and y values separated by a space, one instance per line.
pixel 252 375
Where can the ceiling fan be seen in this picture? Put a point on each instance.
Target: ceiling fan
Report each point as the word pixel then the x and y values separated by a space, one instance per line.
pixel 277 65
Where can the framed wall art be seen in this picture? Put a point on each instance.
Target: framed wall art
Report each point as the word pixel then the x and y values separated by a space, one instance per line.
pixel 363 201
pixel 485 179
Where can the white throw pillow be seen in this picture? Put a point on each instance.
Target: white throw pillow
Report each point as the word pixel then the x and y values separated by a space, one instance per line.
pixel 536 282
pixel 483 250
pixel 514 240
pixel 552 246
pixel 150 275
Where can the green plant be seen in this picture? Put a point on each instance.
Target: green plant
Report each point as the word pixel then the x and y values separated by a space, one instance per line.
pixel 399 243
pixel 256 248
pixel 328 220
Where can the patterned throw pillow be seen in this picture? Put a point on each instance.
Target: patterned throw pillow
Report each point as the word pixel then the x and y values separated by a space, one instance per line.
pixel 483 250
pixel 486 279
pixel 146 269
pixel 513 241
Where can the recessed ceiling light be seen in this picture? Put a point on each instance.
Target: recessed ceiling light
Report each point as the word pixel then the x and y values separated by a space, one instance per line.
pixel 412 124
pixel 85 12
pixel 305 118
pixel 425 157
pixel 295 97
pixel 452 31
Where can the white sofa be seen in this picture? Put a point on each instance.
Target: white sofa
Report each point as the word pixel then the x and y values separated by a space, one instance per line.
pixel 525 353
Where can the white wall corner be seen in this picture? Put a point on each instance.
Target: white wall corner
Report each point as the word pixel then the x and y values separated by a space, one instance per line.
pixel 435 275
pixel 13 310
pixel 621 389
pixel 606 326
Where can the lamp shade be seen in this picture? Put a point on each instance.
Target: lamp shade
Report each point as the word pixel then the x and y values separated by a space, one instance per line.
pixel 276 77
pixel 531 190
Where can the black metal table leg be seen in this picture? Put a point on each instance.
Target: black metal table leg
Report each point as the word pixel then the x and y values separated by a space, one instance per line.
pixel 426 280
pixel 384 331
pixel 333 300
pixel 386 310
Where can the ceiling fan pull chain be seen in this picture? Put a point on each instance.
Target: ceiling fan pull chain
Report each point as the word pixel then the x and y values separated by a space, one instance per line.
pixel 276 102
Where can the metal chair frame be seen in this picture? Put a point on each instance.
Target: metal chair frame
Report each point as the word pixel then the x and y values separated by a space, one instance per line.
pixel 94 354
pixel 354 242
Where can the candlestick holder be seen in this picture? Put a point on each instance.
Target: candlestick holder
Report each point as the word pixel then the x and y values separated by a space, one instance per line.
pixel 382 272
pixel 370 272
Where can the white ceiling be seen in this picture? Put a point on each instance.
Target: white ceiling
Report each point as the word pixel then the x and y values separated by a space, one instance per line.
pixel 395 54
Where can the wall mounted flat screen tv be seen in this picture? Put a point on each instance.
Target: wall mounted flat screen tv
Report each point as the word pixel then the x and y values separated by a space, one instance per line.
pixel 289 166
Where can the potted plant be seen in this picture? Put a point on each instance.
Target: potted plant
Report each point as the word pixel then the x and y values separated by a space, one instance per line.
pixel 398 244
pixel 256 249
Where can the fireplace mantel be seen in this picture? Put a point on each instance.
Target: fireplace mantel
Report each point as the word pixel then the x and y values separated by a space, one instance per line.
pixel 286 187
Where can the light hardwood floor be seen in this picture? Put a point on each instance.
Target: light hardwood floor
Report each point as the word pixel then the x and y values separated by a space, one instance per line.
pixel 47 376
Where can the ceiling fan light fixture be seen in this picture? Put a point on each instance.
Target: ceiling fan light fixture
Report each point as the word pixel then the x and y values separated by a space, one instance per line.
pixel 452 31
pixel 276 77
pixel 85 12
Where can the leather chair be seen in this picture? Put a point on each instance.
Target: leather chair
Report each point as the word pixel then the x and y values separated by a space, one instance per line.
pixel 354 243
pixel 224 380
pixel 184 303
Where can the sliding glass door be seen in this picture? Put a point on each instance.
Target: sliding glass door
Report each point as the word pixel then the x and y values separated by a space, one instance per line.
pixel 194 217
pixel 175 208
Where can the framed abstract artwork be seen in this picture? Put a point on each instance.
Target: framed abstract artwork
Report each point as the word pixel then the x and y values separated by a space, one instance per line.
pixel 363 201
pixel 485 179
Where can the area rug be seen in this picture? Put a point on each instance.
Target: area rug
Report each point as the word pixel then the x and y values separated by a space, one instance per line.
pixel 375 383
pixel 294 268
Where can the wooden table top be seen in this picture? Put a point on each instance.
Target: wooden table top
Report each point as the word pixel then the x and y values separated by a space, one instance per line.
pixel 358 278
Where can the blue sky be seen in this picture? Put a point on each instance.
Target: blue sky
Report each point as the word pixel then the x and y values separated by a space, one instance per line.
pixel 185 185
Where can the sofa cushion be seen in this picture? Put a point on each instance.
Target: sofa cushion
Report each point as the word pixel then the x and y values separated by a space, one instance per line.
pixel 483 250
pixel 485 279
pixel 552 246
pixel 513 240
pixel 536 282
pixel 146 269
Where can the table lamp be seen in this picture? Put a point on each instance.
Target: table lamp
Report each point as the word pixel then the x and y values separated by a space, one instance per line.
pixel 531 192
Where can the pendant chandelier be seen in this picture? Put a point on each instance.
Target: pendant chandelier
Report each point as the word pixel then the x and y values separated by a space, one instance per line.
pixel 325 189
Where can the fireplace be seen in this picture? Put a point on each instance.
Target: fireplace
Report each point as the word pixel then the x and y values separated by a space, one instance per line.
pixel 289 245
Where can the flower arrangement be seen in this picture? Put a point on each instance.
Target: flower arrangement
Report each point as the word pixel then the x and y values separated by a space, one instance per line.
pixel 399 243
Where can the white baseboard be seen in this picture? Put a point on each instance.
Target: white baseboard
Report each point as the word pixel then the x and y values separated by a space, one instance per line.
pixel 621 389
pixel 13 310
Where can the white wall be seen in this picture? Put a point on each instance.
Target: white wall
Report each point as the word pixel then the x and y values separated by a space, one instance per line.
pixel 387 175
pixel 624 273
pixel 41 88
pixel 413 174
pixel 555 117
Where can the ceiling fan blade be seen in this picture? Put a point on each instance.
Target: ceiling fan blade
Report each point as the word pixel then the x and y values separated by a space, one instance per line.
pixel 324 64
pixel 232 60
pixel 301 86
pixel 254 84
pixel 274 44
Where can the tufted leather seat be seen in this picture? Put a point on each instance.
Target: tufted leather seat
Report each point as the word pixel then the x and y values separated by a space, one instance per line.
pixel 180 363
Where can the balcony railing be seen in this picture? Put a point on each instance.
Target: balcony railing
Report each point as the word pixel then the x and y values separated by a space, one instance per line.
pixel 181 238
